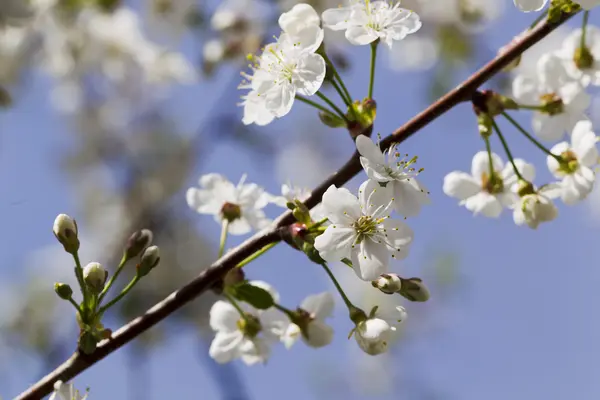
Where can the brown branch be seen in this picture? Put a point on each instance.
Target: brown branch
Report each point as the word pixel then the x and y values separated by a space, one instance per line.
pixel 80 362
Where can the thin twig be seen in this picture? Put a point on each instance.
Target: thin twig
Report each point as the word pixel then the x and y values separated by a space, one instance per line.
pixel 80 362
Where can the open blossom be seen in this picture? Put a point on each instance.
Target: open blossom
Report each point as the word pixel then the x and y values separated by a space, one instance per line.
pixel 367 21
pixel 373 335
pixel 361 231
pixel 284 69
pixel 311 322
pixel 289 193
pixel 535 208
pixel 66 391
pixel 564 100
pixel 578 159
pixel 485 193
pixel 247 337
pixel 397 175
pixel 240 204
pixel 582 65
pixel 298 18
pixel 530 5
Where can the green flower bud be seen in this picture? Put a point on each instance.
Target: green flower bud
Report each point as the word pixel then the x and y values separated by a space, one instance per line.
pixel 137 242
pixel 414 290
pixel 94 276
pixel 150 259
pixel 65 230
pixel 63 290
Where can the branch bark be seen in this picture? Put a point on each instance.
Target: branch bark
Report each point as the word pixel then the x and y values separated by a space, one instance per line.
pixel 79 362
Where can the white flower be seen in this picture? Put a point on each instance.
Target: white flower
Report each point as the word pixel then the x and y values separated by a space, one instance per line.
pixel 535 208
pixel 482 193
pixel 366 21
pixel 66 391
pixel 245 337
pixel 374 334
pixel 255 110
pixel 242 204
pixel 565 100
pixel 361 231
pixel 530 5
pixel 289 193
pixel 315 309
pixel 578 160
pixel 285 68
pixel 399 176
pixel 580 70
pixel 298 18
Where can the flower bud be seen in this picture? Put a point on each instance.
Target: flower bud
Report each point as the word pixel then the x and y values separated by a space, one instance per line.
pixel 388 283
pixel 94 276
pixel 65 230
pixel 414 290
pixel 63 290
pixel 137 242
pixel 150 259
pixel 373 336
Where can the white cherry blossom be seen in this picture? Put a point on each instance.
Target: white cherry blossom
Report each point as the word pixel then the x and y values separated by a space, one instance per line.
pixel 398 176
pixel 66 391
pixel 248 337
pixel 313 330
pixel 565 99
pixel 537 207
pixel 579 158
pixel 361 231
pixel 298 18
pixel 367 21
pixel 482 194
pixel 289 193
pixel 530 5
pixel 580 70
pixel 374 334
pixel 241 204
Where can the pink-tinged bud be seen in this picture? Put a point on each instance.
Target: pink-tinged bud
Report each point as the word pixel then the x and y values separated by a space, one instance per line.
pixel 388 283
pixel 65 230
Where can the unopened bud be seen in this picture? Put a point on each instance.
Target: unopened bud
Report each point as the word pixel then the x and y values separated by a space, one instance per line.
pixel 388 283
pixel 414 290
pixel 137 242
pixel 63 290
pixel 94 276
pixel 65 230
pixel 150 259
pixel 301 212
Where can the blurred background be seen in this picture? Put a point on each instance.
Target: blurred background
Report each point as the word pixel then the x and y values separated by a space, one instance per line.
pixel 112 109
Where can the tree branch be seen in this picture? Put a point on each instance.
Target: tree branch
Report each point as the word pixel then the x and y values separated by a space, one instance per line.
pixel 79 362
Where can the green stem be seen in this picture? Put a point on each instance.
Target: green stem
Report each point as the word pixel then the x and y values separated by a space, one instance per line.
pixel 317 224
pixel 315 105
pixel 531 138
pixel 112 279
pixel 340 92
pixel 235 304
pixel 332 105
pixel 534 108
pixel 372 76
pixel 338 77
pixel 284 310
pixel 254 256
pixel 75 305
pixel 338 287
pixel 121 295
pixel 488 147
pixel 586 16
pixel 79 275
pixel 224 231
pixel 507 150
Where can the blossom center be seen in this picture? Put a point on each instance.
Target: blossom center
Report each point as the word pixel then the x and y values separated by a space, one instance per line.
pixel 552 104
pixel 365 226
pixel 231 212
pixel 583 58
pixel 284 70
pixel 249 325
pixel 569 164
pixel 493 184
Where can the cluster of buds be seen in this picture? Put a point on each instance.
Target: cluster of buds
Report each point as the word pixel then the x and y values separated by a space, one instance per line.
pixel 93 279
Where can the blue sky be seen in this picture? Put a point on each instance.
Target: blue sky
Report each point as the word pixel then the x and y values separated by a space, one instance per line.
pixel 521 326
